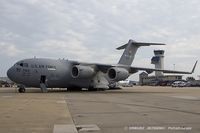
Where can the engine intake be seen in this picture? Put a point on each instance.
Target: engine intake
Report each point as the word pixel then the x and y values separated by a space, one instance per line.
pixel 79 71
pixel 117 74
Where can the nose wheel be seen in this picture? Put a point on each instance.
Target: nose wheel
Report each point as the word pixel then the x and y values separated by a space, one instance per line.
pixel 21 90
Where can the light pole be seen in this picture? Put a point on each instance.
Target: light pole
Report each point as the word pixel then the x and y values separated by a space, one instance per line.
pixel 174 66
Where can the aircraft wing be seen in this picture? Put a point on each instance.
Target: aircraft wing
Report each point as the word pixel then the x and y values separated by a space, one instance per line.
pixel 150 70
pixel 105 67
pixel 99 66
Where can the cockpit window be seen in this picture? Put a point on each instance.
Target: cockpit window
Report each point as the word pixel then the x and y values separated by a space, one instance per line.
pixel 22 64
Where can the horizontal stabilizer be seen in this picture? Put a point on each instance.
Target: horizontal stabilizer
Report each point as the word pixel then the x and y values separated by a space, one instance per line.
pixel 138 44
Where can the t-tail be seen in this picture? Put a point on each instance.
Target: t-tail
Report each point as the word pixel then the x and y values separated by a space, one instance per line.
pixel 130 50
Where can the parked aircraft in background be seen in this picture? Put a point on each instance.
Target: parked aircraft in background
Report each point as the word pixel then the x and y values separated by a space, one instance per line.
pixel 49 73
pixel 127 83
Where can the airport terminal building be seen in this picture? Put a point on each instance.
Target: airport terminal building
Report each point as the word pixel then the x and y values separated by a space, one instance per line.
pixel 144 79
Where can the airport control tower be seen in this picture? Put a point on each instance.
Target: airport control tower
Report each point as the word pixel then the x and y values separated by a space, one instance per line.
pixel 158 60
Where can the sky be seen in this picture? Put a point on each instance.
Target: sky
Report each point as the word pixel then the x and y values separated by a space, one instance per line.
pixel 91 30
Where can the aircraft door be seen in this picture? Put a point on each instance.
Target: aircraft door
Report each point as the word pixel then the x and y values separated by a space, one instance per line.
pixel 43 79
pixel 43 84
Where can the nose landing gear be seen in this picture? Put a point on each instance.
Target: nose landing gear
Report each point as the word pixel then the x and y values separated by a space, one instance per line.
pixel 21 89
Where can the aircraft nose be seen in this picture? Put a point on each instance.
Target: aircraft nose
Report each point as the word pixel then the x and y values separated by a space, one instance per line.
pixel 10 73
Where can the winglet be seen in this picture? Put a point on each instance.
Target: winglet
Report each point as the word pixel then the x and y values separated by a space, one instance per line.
pixel 194 67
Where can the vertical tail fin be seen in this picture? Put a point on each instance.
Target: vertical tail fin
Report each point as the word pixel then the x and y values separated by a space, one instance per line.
pixel 130 50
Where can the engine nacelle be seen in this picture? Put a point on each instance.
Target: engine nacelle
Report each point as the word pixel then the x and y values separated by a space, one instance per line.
pixel 79 71
pixel 117 74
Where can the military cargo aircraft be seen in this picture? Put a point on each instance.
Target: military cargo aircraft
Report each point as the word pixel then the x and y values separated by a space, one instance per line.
pixel 48 73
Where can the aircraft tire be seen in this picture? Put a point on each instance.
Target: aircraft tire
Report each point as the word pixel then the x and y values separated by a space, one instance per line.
pixel 96 89
pixel 74 89
pixel 115 88
pixel 100 89
pixel 92 89
pixel 21 90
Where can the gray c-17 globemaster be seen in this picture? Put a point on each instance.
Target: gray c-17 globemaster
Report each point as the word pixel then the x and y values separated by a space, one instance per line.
pixel 49 73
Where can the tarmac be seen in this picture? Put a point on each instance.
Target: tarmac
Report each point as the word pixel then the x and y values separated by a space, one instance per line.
pixel 138 109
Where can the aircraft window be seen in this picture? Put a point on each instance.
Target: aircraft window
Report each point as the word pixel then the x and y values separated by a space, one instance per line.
pixel 21 64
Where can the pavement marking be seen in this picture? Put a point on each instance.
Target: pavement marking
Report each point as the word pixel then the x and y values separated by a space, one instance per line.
pixel 89 128
pixel 187 97
pixel 65 129
pixel 63 101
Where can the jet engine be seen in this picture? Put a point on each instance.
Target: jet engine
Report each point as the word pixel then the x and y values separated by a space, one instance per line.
pixel 117 74
pixel 79 71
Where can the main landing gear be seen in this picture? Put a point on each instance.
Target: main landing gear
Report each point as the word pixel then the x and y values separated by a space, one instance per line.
pixel 74 89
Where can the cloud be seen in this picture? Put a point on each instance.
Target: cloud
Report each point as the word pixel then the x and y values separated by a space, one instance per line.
pixel 9 50
pixel 62 48
pixel 90 31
